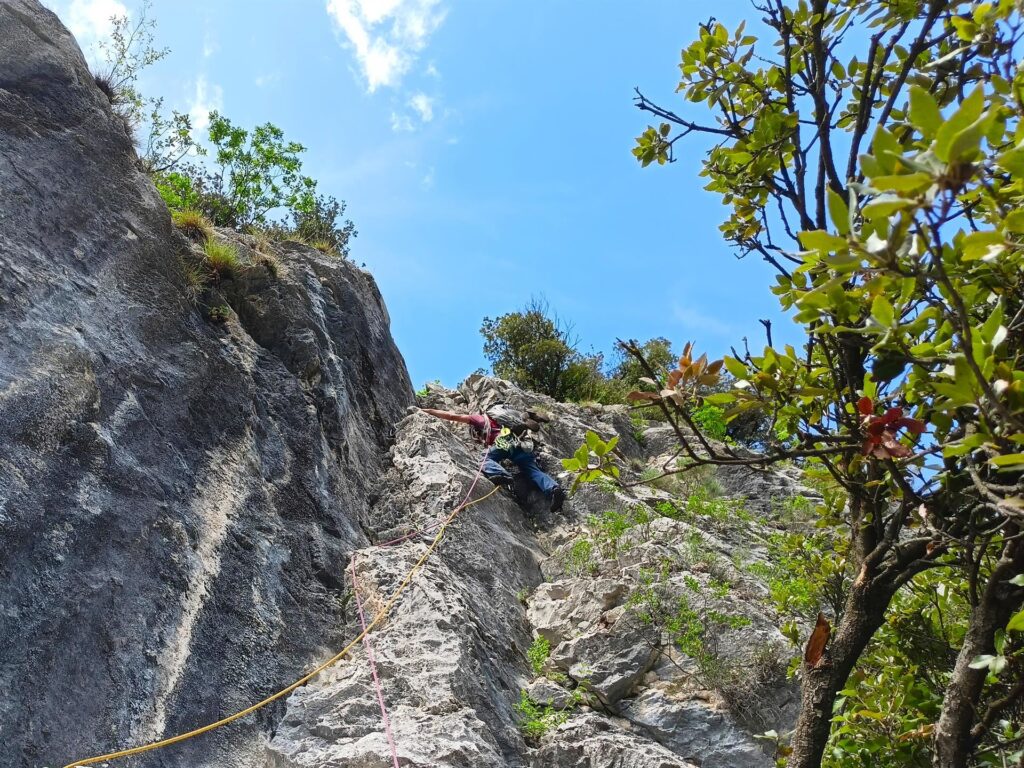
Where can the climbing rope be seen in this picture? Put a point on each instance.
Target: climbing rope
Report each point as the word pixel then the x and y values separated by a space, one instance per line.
pixel 373 668
pixel 377 619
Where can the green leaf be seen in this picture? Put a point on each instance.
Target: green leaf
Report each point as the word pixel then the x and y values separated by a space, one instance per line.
pixel 735 367
pixel 1018 580
pixel 582 456
pixel 885 149
pixel 924 111
pixel 1016 623
pixel 1013 161
pixel 1007 460
pixel 982 662
pixel 1014 222
pixel 966 144
pixel 593 441
pixel 610 445
pixel 719 398
pixel 885 205
pixel 839 212
pixel 820 240
pixel 906 182
pixel 969 111
pixel 882 311
pixel 572 465
pixel 982 245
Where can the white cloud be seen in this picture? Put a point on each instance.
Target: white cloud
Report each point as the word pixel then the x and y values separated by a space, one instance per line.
pixel 424 106
pixel 207 97
pixel 401 123
pixel 271 78
pixel 386 35
pixel 427 182
pixel 89 21
pixel 210 44
pixel 696 320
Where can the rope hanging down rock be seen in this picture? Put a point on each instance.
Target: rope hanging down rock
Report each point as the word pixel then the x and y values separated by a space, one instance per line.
pixel 377 619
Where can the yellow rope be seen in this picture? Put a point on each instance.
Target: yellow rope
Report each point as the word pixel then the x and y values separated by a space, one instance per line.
pixel 381 615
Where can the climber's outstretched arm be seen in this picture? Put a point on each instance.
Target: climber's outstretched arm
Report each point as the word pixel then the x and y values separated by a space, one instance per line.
pixel 449 416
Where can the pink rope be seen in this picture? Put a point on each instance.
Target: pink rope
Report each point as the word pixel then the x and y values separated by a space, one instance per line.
pixel 373 668
pixel 362 618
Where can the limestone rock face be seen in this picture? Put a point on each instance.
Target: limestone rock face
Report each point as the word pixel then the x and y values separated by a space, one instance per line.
pixel 178 498
pixel 183 503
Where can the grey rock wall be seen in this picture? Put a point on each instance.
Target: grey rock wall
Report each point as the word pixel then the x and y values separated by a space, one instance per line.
pixel 178 498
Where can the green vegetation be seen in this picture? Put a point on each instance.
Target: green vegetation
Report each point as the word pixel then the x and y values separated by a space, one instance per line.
pixel 536 350
pixel 689 619
pixel 426 388
pixel 538 719
pixel 219 313
pixel 870 153
pixel 197 277
pixel 579 559
pixel 193 224
pixel 252 176
pixel 593 461
pixel 711 420
pixel 221 259
pixel 538 654
pixel 607 530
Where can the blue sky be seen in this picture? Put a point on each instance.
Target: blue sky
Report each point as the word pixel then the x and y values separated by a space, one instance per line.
pixel 483 148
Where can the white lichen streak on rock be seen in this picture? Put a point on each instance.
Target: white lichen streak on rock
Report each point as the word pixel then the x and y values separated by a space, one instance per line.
pixel 219 495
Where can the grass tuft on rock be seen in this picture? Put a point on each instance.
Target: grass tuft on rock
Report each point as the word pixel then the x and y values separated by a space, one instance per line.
pixel 222 259
pixel 193 224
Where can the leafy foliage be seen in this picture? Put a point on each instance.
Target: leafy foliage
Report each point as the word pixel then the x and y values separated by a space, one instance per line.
pixel 711 420
pixel 884 187
pixel 321 219
pixel 536 350
pixel 163 140
pixel 253 174
pixel 538 719
pixel 538 654
pixel 221 258
pixel 593 460
pixel 193 224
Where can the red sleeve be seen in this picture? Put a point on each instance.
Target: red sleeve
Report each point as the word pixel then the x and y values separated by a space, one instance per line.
pixel 479 422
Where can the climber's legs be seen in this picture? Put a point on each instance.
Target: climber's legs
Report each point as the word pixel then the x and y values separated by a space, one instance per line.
pixel 527 463
pixel 493 470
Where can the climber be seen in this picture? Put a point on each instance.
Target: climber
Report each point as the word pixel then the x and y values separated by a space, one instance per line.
pixel 508 442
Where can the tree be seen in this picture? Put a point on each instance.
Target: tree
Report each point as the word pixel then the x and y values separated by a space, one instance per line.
pixel 163 141
pixel 658 353
pixel 536 350
pixel 886 190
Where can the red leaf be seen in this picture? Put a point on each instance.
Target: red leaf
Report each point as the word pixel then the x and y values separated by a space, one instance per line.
pixel 915 426
pixel 893 447
pixel 815 649
pixel 891 415
pixel 875 429
pixel 865 406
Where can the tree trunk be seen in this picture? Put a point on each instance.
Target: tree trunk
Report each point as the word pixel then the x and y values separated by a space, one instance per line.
pixel 953 740
pixel 862 616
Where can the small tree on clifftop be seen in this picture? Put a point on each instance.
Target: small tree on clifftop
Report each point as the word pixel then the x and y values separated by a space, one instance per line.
pixel 536 350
